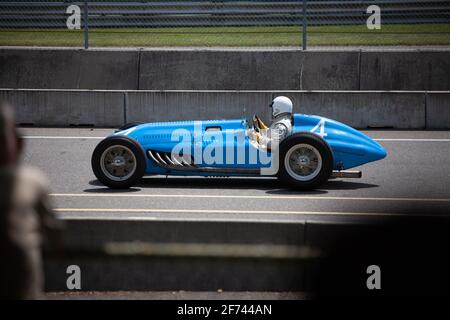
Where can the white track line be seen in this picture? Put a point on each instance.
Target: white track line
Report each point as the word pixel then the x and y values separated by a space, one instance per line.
pixel 100 138
pixel 77 216
pixel 414 140
pixel 264 197
pixel 244 212
pixel 62 137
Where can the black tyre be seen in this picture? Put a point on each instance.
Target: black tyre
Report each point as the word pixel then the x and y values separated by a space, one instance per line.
pixel 306 161
pixel 118 162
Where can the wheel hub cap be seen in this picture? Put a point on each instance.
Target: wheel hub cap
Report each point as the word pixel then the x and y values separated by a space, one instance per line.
pixel 118 163
pixel 303 162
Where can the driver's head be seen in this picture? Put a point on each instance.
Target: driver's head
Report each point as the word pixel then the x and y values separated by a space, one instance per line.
pixel 9 138
pixel 281 105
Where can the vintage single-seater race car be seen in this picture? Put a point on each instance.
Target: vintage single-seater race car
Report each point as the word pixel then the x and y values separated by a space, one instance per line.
pixel 316 150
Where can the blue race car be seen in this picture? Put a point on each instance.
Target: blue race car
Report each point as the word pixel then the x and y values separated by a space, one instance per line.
pixel 317 149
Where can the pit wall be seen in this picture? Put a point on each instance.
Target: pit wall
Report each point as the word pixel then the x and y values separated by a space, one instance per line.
pixel 113 108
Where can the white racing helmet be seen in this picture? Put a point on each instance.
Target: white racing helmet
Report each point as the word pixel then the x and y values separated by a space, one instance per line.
pixel 281 105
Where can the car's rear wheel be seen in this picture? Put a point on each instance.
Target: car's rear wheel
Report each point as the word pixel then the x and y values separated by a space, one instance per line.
pixel 118 162
pixel 306 161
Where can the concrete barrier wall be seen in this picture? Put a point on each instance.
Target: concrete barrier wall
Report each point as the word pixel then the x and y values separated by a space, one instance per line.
pixel 402 110
pixel 231 69
pixel 396 70
pixel 68 69
pixel 86 234
pixel 65 108
pixel 198 105
pixel 249 70
pixel 438 110
pixel 358 109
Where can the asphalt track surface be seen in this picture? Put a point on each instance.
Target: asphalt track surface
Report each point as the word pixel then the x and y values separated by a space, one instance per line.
pixel 413 180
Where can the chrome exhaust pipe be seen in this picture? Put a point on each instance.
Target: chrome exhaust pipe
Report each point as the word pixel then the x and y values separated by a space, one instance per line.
pixel 346 174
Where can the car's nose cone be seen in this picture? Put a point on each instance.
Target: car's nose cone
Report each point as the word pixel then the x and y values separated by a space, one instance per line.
pixel 376 151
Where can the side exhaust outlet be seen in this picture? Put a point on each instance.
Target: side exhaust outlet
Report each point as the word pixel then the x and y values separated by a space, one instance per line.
pixel 346 174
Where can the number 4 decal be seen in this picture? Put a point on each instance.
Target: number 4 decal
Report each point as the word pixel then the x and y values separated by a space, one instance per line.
pixel 319 129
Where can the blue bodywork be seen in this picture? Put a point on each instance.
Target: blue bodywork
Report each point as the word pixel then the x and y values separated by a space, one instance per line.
pixel 350 147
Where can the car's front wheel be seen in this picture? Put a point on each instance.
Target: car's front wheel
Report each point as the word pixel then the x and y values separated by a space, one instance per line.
pixel 306 161
pixel 118 162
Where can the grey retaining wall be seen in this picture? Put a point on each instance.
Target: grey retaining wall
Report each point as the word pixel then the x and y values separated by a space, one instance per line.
pixel 231 69
pixel 103 108
pixel 62 108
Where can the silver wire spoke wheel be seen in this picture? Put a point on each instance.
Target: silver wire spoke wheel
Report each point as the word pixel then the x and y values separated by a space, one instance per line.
pixel 303 162
pixel 118 163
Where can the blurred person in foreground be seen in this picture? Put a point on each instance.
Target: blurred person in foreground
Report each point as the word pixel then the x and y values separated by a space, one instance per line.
pixel 27 223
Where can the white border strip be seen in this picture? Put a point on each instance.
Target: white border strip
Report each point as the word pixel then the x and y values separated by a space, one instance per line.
pixel 62 137
pixel 414 140
pixel 61 211
pixel 262 197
